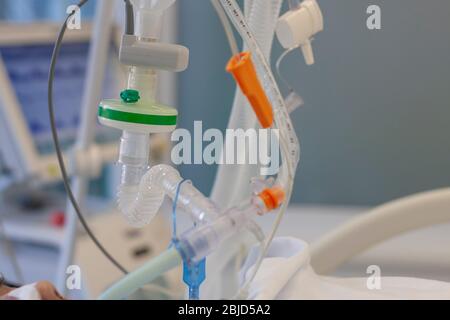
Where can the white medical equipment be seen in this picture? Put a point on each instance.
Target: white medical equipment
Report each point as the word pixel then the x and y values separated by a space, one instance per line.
pixel 26 146
pixel 137 114
pixel 85 137
pixel 29 213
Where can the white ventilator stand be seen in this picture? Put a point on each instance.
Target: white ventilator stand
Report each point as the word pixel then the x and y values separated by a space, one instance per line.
pixel 98 58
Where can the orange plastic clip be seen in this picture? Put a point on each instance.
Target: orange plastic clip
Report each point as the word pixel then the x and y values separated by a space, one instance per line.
pixel 272 197
pixel 243 71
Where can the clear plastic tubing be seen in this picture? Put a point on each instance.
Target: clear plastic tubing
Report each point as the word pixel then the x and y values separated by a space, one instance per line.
pixel 226 27
pixel 140 203
pixel 262 17
pixel 143 80
pixel 142 276
pixel 142 190
pixel 199 242
pixel 195 244
pixel 133 156
pixel 134 145
pixel 283 122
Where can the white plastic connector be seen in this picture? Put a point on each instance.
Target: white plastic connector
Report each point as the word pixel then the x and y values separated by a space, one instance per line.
pixel 155 55
pixel 134 156
pixel 139 200
pixel 297 27
pixel 293 101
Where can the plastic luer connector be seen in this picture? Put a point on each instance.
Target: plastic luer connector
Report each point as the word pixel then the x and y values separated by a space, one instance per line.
pixel 273 197
pixel 197 243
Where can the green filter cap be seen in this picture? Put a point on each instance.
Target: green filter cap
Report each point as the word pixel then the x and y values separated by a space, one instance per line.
pixel 130 96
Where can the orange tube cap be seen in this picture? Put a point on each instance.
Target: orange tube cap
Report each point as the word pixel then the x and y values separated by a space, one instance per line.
pixel 243 71
pixel 272 197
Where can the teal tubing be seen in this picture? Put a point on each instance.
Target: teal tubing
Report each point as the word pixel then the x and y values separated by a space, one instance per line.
pixel 142 276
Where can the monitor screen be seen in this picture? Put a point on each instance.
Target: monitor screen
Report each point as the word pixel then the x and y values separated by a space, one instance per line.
pixel 27 66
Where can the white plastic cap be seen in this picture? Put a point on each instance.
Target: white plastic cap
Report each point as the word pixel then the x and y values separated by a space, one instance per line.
pixel 297 27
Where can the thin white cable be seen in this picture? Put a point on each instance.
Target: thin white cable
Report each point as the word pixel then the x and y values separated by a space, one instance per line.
pixel 278 67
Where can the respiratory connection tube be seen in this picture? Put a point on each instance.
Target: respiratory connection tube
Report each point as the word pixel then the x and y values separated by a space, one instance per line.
pixel 141 202
pixel 145 274
pixel 142 191
pixel 199 242
pixel 192 247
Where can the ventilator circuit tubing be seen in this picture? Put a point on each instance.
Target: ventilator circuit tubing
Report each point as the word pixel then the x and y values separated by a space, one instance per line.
pixel 226 27
pixel 140 203
pixel 283 122
pixel 262 18
pixel 144 275
pixel 377 225
pixel 193 245
pixel 289 142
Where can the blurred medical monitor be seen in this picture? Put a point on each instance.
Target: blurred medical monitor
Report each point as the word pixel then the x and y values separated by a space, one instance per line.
pixel 26 146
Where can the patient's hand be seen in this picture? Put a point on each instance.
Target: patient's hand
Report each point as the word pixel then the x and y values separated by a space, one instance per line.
pixel 48 291
pixel 45 289
pixel 4 290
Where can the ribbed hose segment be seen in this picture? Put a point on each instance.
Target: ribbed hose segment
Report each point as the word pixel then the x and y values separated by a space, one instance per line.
pixel 140 203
